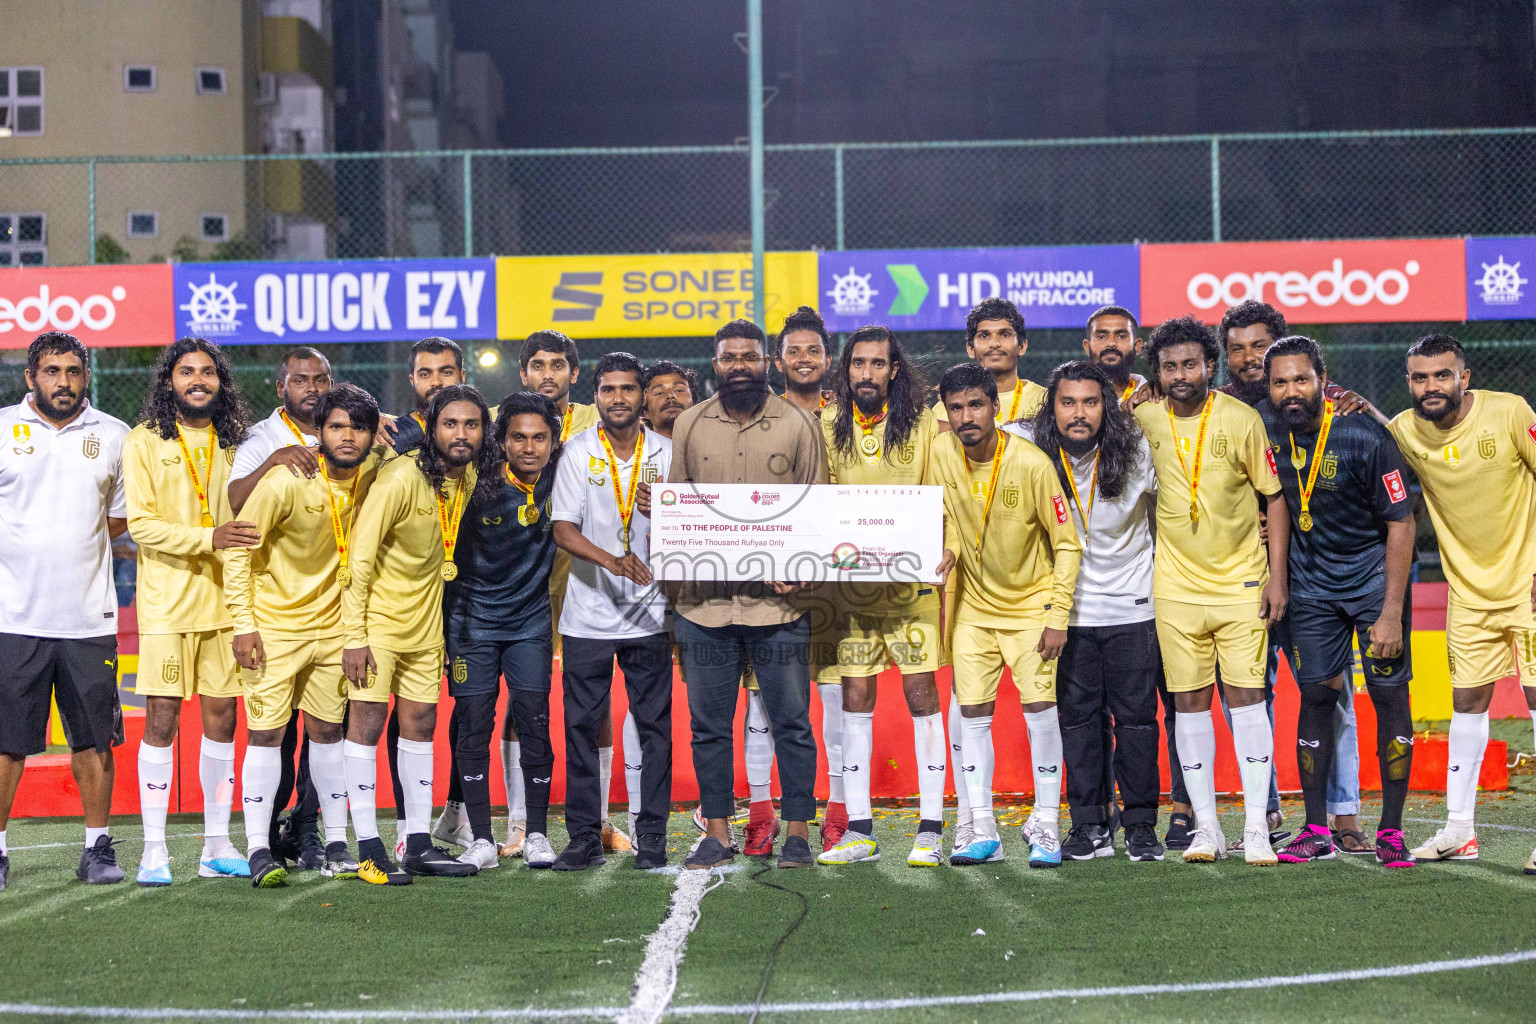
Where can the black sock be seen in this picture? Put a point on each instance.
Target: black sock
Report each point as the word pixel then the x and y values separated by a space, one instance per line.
pixel 392 748
pixel 929 825
pixel 536 795
pixel 455 786
pixel 1394 749
pixel 285 779
pixel 372 849
pixel 1315 742
pixel 863 826
pixel 417 843
pixel 473 775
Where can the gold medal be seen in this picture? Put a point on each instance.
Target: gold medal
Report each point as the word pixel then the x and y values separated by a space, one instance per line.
pixel 448 518
pixel 870 445
pixel 1305 521
pixel 207 519
pixel 343 577
pixel 528 514
pixel 449 571
pixel 1299 458
pixel 1192 475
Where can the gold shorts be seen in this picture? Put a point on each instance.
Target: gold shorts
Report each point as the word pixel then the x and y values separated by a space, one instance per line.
pixel 183 664
pixel 980 652
pixel 1195 638
pixel 302 674
pixel 909 637
pixel 414 675
pixel 1486 645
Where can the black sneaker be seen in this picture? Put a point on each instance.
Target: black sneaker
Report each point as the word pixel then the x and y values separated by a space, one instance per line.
pixel 98 864
pixel 1181 827
pixel 795 853
pixel 1141 842
pixel 311 852
pixel 1087 841
pixel 338 861
pixel 5 870
pixel 266 872
pixel 651 851
pixel 579 855
pixel 436 862
pixel 284 842
pixel 711 852
pixel 374 865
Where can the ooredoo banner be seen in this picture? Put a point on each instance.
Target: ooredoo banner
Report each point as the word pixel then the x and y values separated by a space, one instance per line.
pixel 933 289
pixel 1340 282
pixel 113 305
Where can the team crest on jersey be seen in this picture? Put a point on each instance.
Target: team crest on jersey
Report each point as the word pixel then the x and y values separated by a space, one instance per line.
pixel 1330 467
pixel 460 671
pixel 22 433
pixel 596 466
pixel 1452 455
pixel 200 456
pixel 1219 446
pixel 1487 447
pixel 1185 445
pixel 903 455
pixel 649 474
pixel 170 671
pixel 979 490
pixel 1010 496
pixel 91 446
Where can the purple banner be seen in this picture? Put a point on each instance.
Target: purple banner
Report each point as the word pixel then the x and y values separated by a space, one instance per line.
pixel 1498 278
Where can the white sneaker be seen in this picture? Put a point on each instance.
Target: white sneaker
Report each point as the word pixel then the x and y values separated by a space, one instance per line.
pixel 927 851
pixel 537 853
pixel 1256 848
pixel 517 834
pixel 1206 844
pixel 965 835
pixel 154 866
pixel 1453 842
pixel 481 853
pixel 453 826
pixel 634 837
pixel 698 820
pixel 220 859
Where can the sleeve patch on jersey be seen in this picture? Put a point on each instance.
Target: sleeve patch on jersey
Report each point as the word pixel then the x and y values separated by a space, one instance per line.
pixel 1061 509
pixel 1395 489
pixel 1532 431
pixel 1269 457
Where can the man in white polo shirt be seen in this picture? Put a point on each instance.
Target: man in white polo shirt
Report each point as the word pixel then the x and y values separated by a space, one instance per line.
pixel 1109 665
pixel 61 500
pixel 613 610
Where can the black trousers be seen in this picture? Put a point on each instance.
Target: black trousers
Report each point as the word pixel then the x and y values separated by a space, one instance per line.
pixel 587 682
pixel 1110 670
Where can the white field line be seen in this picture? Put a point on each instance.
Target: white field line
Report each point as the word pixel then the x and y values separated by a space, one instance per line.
pixel 657 978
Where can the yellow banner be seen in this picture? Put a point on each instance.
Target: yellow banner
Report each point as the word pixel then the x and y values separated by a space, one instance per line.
pixel 645 296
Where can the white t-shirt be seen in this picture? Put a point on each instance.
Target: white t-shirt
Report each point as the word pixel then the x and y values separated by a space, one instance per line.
pixel 1114 581
pixel 57 488
pixel 598 604
pixel 263 439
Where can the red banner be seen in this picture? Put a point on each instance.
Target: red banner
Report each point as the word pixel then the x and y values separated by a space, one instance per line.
pixel 1337 282
pixel 102 306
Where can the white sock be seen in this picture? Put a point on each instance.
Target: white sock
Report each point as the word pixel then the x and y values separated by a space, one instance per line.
pixel 633 762
pixel 758 745
pixel 831 695
pixel 91 835
pixel 415 761
pixel 155 770
pixel 1254 740
pixel 1195 735
pixel 361 763
pixel 1468 741
pixel 976 765
pixel 1045 752
pixel 453 810
pixel 328 774
pixel 4 846
pixel 858 751
pixel 512 774
pixel 258 792
pixel 929 743
pixel 216 771
pixel 962 798
pixel 605 778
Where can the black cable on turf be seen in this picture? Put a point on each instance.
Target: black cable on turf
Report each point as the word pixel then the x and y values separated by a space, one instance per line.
pixel 773 953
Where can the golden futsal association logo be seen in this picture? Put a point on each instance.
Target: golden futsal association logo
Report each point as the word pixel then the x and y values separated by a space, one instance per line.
pixel 845 556
pixel 91 446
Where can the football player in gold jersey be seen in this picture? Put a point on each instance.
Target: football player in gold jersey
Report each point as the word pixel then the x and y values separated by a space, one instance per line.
pixel 1474 453
pixel 994 338
pixel 1214 590
pixel 176 469
pixel 392 616
pixel 880 433
pixel 285 597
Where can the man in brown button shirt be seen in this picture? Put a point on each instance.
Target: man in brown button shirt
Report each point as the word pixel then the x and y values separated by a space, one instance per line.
pixel 746 434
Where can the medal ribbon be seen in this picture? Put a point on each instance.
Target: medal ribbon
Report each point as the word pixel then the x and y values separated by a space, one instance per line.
pixel 565 425
pixel 449 518
pixel 198 485
pixel 626 498
pixel 1093 486
pixel 527 489
pixel 1013 403
pixel 296 431
pixel 867 425
pixel 986 506
pixel 1317 456
pixel 1130 389
pixel 341 533
pixel 1194 478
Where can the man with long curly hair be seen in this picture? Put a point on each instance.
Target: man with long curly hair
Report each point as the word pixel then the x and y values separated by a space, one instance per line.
pixel 392 613
pixel 176 469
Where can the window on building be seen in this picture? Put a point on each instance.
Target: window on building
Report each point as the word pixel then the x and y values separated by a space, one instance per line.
pixel 23 239
pixel 143 224
pixel 210 81
pixel 215 227
pixel 139 78
pixel 21 101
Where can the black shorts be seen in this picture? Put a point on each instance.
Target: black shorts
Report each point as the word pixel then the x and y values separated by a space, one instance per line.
pixel 478 666
pixel 80 674
pixel 1321 629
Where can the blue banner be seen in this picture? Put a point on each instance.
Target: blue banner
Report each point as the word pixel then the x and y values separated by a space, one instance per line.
pixel 1498 278
pixel 933 289
pixel 343 300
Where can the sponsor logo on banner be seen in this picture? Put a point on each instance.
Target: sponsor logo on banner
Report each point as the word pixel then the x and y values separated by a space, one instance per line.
pixel 933 289
pixel 645 296
pixel 105 305
pixel 1382 281
pixel 1395 489
pixel 345 300
pixel 1498 278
